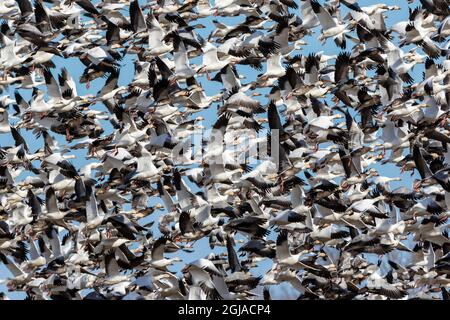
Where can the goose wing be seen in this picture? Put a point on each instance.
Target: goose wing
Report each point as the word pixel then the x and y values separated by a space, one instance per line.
pixel 158 248
pixel 92 207
pixel 282 248
pixel 326 21
pixel 50 200
pixel 233 259
pixel 137 17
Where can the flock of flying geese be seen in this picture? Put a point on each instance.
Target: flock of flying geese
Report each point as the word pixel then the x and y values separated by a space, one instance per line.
pixel 316 208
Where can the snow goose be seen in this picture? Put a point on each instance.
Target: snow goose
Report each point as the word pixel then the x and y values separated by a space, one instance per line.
pixel 211 62
pixel 93 216
pixel 331 27
pixel 156 34
pixel 112 274
pixel 157 255
pixel 137 18
pixel 4 123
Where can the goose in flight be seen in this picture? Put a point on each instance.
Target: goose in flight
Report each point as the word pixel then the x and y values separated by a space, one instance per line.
pixel 231 127
pixel 286 259
pixel 157 255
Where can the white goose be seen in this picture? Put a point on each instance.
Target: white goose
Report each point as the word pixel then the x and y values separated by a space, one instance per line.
pixel 157 259
pixel 8 57
pixel 156 34
pixel 4 123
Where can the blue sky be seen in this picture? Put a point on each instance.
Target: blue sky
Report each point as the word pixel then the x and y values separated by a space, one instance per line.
pixel 127 71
